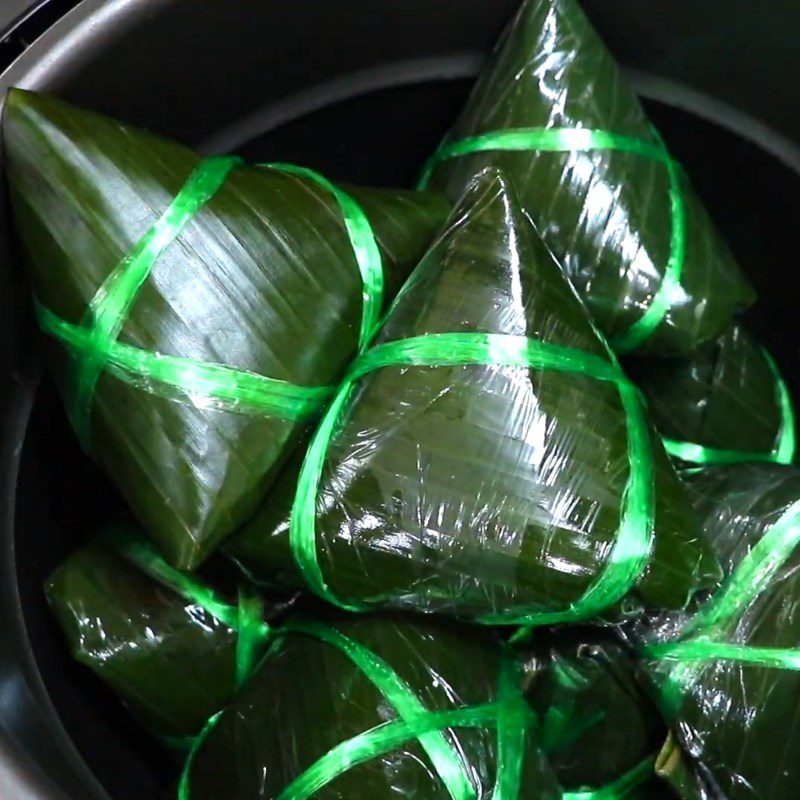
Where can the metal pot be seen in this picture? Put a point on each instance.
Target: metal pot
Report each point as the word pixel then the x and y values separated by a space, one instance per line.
pixel 362 91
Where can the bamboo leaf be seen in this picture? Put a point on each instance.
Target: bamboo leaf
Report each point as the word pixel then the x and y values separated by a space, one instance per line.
pixel 262 280
pixel 735 713
pixel 266 745
pixel 481 489
pixel 607 214
pixel 171 655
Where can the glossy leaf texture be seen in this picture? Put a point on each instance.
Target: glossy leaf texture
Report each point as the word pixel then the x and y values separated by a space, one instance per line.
pixel 596 722
pixel 723 397
pixel 481 489
pixel 739 719
pixel 606 214
pixel 168 657
pixel 262 279
pixel 276 729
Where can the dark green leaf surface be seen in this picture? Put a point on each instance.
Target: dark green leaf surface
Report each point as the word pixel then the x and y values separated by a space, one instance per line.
pixel 741 721
pixel 278 727
pixel 723 397
pixel 170 660
pixel 606 215
pixel 596 723
pixel 481 489
pixel 263 279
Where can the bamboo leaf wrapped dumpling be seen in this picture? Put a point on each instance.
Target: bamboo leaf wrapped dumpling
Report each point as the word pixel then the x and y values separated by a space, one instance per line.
pixel 725 404
pixel 729 675
pixel 486 457
pixel 200 310
pixel 174 649
pixel 389 707
pixel 553 109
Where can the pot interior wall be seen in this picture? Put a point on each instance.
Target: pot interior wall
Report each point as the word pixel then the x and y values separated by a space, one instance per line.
pixel 376 137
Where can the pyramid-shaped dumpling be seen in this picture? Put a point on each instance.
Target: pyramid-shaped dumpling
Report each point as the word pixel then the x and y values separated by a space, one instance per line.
pixel 243 280
pixel 173 647
pixel 468 483
pixel 390 706
pixel 727 403
pixel 729 675
pixel 553 109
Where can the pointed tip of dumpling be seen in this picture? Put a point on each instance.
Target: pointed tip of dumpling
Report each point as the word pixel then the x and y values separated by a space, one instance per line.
pixel 16 96
pixel 21 101
pixel 490 198
pixel 492 181
pixel 25 111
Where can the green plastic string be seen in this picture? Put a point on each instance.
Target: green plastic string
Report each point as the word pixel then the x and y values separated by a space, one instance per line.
pixel 631 548
pixel 700 641
pixel 178 378
pixel 184 791
pixel 510 714
pixel 512 730
pixel 785 445
pixel 365 248
pixel 713 456
pixel 562 140
pixel 204 383
pixel 698 650
pixel 619 789
pixel 108 308
pixel 380 740
pixel 247 618
pixel 361 748
pixel 753 575
pixel 399 694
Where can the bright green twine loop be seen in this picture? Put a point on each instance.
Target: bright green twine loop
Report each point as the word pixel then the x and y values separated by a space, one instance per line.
pixel 398 693
pixel 753 575
pixel 378 741
pixel 365 248
pixel 184 791
pixel 510 714
pixel 175 377
pixel 512 729
pixel 562 140
pixel 631 549
pixel 619 789
pixel 700 643
pixel 785 443
pixel 204 383
pixel 670 290
pixel 714 456
pixel 246 618
pixel 700 650
pixel 108 308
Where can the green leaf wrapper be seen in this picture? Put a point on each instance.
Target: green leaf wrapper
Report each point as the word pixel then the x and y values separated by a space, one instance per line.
pixel 612 206
pixel 170 646
pixel 485 485
pixel 261 283
pixel 375 676
pixel 596 724
pixel 729 676
pixel 728 399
